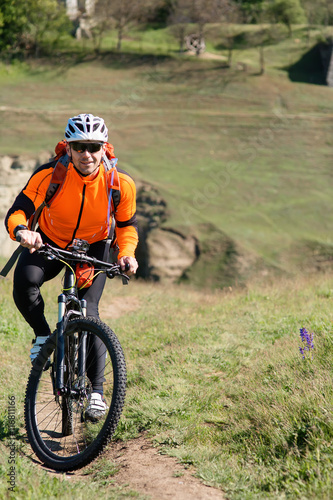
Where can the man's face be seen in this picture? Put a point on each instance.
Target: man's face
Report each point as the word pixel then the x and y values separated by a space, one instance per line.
pixel 85 161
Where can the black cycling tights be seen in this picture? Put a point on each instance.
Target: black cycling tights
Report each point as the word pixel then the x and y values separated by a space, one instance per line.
pixel 33 270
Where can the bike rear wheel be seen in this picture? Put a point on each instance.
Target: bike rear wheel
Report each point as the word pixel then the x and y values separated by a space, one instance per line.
pixel 57 425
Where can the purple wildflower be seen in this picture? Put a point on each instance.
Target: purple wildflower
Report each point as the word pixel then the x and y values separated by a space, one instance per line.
pixel 307 339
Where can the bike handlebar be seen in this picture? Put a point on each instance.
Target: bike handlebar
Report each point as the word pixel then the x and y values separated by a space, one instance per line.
pixel 110 269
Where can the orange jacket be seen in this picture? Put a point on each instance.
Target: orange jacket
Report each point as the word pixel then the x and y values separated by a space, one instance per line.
pixel 79 210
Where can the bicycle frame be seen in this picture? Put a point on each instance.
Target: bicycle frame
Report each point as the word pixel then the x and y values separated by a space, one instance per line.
pixel 70 305
pixel 68 297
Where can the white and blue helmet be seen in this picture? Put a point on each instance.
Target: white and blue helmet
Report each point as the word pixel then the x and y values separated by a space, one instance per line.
pixel 86 127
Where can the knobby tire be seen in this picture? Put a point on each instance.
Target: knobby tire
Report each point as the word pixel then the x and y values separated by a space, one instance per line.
pixel 58 431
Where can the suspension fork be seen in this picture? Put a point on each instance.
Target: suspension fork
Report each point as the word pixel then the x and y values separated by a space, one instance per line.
pixel 69 284
pixel 60 348
pixel 82 354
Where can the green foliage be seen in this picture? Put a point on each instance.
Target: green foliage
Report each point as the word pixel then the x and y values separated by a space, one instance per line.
pixel 160 12
pixel 319 12
pixel 251 9
pixel 13 24
pixel 28 25
pixel 47 20
pixel 287 12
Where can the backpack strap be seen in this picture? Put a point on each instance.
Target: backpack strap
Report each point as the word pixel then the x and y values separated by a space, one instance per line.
pixel 113 183
pixel 113 186
pixel 9 264
pixel 57 180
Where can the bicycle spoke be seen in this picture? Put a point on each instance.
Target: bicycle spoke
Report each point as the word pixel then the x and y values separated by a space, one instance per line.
pixel 58 427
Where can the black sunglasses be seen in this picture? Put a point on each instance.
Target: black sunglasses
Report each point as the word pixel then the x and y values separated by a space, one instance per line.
pixel 91 147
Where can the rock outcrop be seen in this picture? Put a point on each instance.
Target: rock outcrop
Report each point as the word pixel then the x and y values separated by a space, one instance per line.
pixel 326 54
pixel 14 173
pixel 162 253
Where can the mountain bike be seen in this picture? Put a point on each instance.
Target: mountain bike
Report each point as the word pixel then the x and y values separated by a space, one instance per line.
pixel 80 351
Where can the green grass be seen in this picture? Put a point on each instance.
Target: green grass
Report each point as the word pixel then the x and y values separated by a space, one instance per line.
pixel 216 379
pixel 220 384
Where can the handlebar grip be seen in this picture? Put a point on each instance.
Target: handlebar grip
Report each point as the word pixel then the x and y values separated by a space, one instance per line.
pixel 127 267
pixel 18 238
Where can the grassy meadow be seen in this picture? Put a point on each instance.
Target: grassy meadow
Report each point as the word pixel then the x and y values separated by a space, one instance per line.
pixel 248 155
pixel 215 376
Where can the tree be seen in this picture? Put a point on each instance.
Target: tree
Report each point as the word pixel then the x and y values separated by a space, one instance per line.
pixel 229 37
pixel 250 9
pixel 266 34
pixel 320 12
pixel 311 10
pixel 199 12
pixel 101 22
pixel 160 12
pixel 207 11
pixel 46 19
pixel 14 24
pixel 27 23
pixel 288 12
pixel 328 12
pixel 260 39
pixel 179 19
pixel 120 14
pixel 230 31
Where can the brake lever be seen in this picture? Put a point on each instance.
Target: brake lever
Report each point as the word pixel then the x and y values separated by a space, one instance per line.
pixel 125 278
pixel 116 272
pixel 46 252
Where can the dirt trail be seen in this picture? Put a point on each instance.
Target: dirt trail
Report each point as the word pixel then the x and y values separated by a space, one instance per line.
pixel 158 476
pixel 144 470
pixel 141 467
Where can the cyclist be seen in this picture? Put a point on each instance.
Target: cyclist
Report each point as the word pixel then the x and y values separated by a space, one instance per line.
pixel 81 210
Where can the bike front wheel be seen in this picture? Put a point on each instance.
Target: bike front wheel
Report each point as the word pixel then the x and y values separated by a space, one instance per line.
pixel 63 430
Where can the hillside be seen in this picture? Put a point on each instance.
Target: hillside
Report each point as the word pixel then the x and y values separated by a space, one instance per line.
pixel 242 161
